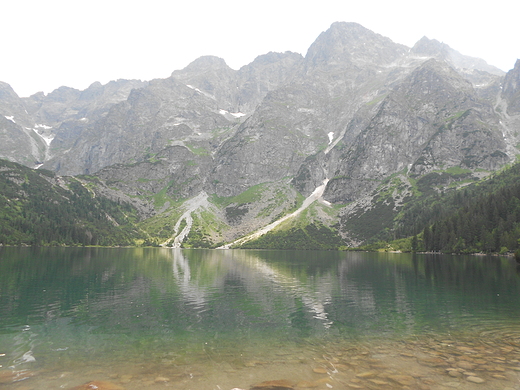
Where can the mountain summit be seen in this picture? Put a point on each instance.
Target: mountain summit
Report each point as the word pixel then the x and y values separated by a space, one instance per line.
pixel 350 43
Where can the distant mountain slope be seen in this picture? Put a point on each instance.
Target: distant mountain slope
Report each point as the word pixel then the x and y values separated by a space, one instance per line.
pixel 225 152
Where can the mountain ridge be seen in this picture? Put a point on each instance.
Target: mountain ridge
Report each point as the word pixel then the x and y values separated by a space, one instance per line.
pixel 356 111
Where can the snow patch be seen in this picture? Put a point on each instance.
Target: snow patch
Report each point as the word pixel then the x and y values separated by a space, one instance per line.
pixel 325 202
pixel 201 92
pixel 46 139
pixel 234 114
pixel 83 120
pixel 41 126
pixel 10 118
pixel 331 137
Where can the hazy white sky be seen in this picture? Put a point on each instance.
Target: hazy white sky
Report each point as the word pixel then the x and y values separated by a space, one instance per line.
pixel 47 44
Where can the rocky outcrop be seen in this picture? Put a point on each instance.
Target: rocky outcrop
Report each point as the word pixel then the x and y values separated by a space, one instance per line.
pixel 352 44
pixel 19 140
pixel 176 171
pixel 511 90
pixel 433 120
pixel 432 48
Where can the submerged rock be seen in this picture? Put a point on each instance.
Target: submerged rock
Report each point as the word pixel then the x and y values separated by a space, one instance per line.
pixel 403 380
pixel 98 385
pixel 475 379
pixel 9 376
pixel 281 384
pixel 320 370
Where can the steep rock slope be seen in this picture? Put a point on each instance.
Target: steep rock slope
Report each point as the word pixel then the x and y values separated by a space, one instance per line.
pixel 433 120
pixel 162 114
pixel 511 90
pixel 344 69
pixel 197 106
pixel 19 141
pixel 62 115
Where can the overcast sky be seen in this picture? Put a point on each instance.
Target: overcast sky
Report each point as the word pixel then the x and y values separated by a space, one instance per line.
pixel 50 43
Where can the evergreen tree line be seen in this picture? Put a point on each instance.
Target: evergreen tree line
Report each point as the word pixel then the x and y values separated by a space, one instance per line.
pixel 481 217
pixel 35 212
pixel 491 224
pixel 436 207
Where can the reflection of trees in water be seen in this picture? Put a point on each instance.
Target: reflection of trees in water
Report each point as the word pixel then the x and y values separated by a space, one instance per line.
pixel 178 292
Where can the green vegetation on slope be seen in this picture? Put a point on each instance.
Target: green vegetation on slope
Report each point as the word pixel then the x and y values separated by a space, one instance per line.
pixel 34 211
pixel 482 217
pixel 39 208
pixel 312 236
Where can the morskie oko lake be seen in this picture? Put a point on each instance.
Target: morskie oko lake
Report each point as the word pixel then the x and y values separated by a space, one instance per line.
pixel 155 318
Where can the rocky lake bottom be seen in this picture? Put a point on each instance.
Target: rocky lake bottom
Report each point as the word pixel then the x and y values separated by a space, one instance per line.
pixel 427 362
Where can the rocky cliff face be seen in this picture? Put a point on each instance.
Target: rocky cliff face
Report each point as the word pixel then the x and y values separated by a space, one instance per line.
pixel 357 109
pixel 60 116
pixel 432 121
pixel 511 90
pixel 162 114
pixel 19 140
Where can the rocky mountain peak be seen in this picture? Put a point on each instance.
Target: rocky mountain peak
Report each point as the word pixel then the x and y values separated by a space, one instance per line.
pixel 430 47
pixel 351 43
pixel 426 47
pixel 7 92
pixel 64 94
pixel 94 90
pixel 205 63
pixel 438 75
pixel 11 106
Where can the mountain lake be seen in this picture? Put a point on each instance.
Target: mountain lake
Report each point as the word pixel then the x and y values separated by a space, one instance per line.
pixel 155 318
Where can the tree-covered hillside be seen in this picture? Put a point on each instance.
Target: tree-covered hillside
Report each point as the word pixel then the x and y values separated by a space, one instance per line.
pixel 39 208
pixel 481 217
pixel 487 218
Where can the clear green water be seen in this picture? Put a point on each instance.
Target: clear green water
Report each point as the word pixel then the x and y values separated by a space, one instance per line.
pixel 223 319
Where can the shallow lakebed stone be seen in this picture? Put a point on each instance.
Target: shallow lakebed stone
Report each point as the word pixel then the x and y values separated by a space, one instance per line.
pixel 98 385
pixel 281 384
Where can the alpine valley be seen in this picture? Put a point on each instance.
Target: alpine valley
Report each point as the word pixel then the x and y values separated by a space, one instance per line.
pixel 361 140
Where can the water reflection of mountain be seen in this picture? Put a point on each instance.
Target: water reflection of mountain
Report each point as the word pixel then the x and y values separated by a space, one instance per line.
pixel 186 292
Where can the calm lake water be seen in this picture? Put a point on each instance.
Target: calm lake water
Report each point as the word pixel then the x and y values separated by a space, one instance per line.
pixel 224 319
